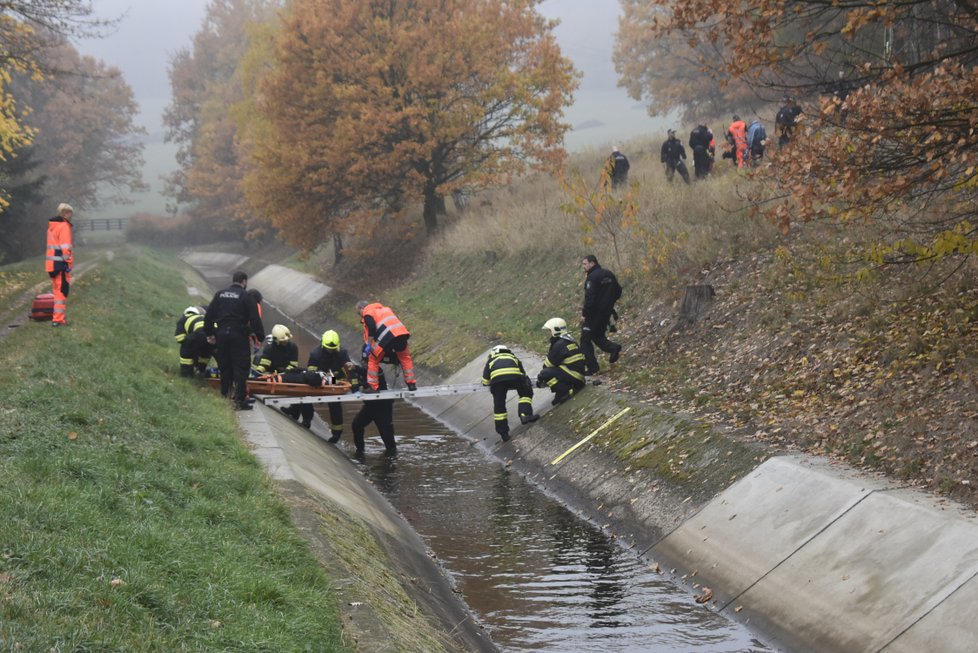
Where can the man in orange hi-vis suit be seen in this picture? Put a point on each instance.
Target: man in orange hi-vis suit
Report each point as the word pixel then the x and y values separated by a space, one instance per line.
pixel 59 260
pixel 383 334
pixel 737 136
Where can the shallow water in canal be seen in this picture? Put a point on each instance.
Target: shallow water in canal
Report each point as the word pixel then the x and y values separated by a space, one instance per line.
pixel 538 576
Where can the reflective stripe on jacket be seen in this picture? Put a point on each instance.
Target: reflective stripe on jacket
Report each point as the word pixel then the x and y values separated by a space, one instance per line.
pixel 566 355
pixel 381 325
pixel 59 245
pixel 502 367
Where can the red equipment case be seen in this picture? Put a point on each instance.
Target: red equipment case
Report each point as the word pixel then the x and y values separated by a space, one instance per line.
pixel 43 307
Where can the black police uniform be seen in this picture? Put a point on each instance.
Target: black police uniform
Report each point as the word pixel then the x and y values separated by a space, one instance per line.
pixel 232 316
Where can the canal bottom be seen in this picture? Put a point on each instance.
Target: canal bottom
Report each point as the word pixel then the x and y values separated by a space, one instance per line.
pixel 539 577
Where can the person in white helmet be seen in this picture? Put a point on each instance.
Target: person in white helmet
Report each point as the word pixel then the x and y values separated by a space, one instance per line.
pixel 504 372
pixel 280 353
pixel 563 369
pixel 195 352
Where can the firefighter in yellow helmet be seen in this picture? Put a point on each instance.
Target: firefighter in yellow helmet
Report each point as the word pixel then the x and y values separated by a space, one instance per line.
pixel 563 369
pixel 329 358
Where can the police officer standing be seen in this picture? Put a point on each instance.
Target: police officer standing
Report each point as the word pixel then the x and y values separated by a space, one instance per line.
pixel 601 291
pixel 672 156
pixel 232 316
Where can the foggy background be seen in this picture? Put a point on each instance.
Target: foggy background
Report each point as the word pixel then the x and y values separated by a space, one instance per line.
pixel 149 34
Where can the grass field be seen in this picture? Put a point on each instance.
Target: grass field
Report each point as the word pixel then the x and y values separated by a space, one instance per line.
pixel 133 517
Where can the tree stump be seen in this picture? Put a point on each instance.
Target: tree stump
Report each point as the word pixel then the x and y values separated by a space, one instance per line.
pixel 696 300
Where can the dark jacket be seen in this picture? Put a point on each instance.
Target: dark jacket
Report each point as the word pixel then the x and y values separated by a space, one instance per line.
pixel 601 291
pixel 672 151
pixel 565 354
pixel 619 166
pixel 701 136
pixel 278 358
pixel 334 361
pixel 502 367
pixel 233 310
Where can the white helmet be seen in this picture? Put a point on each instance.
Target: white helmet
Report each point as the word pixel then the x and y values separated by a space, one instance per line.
pixel 281 334
pixel 556 326
pixel 499 349
pixel 192 310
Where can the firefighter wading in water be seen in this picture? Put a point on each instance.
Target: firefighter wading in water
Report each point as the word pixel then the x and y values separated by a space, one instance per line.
pixel 384 334
pixel 328 358
pixel 504 372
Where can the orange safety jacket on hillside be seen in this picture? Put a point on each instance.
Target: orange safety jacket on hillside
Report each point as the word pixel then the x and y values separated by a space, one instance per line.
pixel 738 130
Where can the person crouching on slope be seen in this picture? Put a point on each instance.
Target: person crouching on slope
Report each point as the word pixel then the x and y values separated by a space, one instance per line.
pixel 504 372
pixel 563 369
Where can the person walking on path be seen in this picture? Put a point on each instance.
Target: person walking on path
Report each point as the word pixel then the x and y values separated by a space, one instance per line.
pixel 232 317
pixel 672 156
pixel 563 369
pixel 384 334
pixel 59 260
pixel 504 372
pixel 601 291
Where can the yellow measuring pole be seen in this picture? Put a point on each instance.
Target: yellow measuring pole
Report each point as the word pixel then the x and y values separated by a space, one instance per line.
pixel 593 433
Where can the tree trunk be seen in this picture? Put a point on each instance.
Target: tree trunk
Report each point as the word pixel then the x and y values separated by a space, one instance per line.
pixel 696 300
pixel 430 210
pixel 337 248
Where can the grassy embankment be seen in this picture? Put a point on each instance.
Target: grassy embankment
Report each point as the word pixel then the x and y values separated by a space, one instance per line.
pixel 796 352
pixel 134 518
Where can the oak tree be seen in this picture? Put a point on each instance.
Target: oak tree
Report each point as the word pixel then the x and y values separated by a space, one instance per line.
pixel 375 104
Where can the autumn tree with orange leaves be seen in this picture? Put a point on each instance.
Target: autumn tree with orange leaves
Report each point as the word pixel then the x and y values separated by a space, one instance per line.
pixel 377 104
pixel 890 93
pixel 207 80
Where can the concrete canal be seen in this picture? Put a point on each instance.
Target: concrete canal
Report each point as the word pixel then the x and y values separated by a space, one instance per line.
pixel 539 577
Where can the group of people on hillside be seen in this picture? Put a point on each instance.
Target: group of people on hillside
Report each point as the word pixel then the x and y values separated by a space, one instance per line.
pixel 746 144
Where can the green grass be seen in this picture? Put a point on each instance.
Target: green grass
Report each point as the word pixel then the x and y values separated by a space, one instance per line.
pixel 133 517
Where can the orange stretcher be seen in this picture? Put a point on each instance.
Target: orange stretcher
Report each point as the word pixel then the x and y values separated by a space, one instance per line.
pixel 268 387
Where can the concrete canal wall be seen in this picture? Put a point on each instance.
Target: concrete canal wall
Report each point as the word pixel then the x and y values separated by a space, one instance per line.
pixel 812 556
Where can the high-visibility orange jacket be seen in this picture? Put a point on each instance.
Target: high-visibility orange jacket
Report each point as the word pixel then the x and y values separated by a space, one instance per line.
pixel 380 325
pixel 738 132
pixel 59 255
